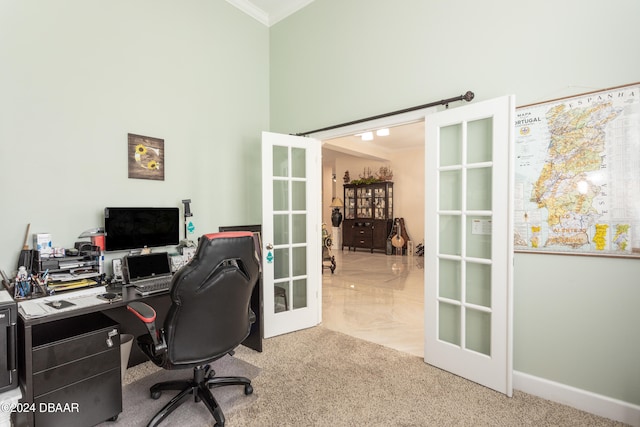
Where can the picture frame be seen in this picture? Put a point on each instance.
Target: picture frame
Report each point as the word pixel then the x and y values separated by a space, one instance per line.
pixel 145 157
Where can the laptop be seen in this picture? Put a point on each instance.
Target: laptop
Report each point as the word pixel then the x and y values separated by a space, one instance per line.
pixel 150 273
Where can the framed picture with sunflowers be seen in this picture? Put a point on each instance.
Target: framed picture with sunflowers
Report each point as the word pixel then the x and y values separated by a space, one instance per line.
pixel 146 157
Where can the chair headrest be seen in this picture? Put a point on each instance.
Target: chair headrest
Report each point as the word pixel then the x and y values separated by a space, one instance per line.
pixel 228 235
pixel 215 247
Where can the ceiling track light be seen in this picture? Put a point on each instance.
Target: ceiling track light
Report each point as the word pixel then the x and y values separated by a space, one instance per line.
pixel 368 136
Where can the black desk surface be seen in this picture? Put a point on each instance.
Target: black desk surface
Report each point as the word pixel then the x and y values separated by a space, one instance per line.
pixel 130 324
pixel 128 295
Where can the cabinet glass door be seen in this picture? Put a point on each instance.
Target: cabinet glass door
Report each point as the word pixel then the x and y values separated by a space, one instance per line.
pixel 390 204
pixel 364 203
pixel 380 202
pixel 349 203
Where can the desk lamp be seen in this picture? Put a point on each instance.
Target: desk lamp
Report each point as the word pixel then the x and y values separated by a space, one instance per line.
pixel 188 227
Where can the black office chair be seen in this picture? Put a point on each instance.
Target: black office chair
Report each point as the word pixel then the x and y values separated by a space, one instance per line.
pixel 208 318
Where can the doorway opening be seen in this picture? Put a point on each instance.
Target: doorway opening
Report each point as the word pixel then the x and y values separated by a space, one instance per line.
pixel 468 176
pixel 375 296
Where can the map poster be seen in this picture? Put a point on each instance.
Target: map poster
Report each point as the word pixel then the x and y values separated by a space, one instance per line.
pixel 577 174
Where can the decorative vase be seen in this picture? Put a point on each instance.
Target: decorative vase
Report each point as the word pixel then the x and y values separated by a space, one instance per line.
pixel 336 217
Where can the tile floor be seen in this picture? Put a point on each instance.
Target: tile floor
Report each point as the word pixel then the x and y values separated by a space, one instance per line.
pixel 376 297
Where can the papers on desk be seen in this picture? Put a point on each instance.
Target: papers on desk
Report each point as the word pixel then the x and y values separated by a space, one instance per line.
pixel 65 286
pixel 65 277
pixel 73 300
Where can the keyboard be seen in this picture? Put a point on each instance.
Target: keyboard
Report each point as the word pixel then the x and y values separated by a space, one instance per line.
pixel 153 286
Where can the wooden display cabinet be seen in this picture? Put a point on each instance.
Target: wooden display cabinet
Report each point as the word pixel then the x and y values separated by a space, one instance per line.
pixel 368 215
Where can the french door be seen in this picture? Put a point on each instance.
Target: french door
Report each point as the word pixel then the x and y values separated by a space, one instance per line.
pixel 469 242
pixel 291 233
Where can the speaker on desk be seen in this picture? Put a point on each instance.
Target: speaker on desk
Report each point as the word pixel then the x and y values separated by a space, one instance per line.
pixel 26 259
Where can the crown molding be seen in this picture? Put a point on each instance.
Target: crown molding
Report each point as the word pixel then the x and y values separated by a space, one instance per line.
pixel 269 18
pixel 290 9
pixel 251 10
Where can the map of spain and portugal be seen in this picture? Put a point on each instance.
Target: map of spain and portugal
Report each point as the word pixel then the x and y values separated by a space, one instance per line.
pixel 577 165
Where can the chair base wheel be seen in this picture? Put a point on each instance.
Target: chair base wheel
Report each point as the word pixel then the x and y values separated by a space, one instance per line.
pixel 199 388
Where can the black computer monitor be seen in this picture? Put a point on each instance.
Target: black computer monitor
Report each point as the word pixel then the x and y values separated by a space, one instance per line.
pixel 129 228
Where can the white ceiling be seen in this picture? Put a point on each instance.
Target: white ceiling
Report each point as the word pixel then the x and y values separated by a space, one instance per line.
pixel 269 11
pixel 400 138
pixel 403 137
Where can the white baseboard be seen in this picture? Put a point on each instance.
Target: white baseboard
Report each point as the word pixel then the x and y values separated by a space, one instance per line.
pixel 581 399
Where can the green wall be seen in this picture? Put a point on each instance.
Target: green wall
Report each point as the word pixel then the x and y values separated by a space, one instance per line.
pixel 340 60
pixel 78 75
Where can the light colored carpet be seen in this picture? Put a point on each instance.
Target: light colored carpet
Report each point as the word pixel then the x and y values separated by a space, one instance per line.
pixel 318 377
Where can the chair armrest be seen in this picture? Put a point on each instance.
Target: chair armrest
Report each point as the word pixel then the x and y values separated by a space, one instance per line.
pixel 147 314
pixel 143 311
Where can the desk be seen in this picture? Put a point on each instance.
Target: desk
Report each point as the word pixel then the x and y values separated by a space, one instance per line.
pixel 128 324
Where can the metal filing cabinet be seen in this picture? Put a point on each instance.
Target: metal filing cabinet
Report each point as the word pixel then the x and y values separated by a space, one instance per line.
pixel 76 371
pixel 8 322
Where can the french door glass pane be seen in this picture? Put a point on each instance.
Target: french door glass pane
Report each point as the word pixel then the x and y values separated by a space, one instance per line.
pixel 478 243
pixel 449 323
pixel 450 278
pixel 281 298
pixel 299 228
pixel 478 331
pixel 450 235
pixel 451 145
pixel 478 286
pixel 280 195
pixel 299 195
pixel 479 189
pixel 298 162
pixel 280 161
pixel 280 229
pixel 299 293
pixel 451 190
pixel 480 140
pixel 299 261
pixel 280 263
